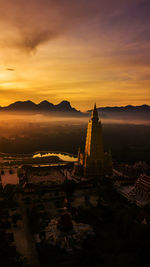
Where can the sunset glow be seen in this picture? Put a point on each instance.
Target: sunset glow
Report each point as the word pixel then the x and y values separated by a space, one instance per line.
pixel 81 51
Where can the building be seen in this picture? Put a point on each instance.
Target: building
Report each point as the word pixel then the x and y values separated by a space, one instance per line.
pixel 142 186
pixel 94 162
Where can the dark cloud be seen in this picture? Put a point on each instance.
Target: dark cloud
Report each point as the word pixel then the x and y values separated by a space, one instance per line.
pixel 10 69
pixel 31 40
pixel 38 21
pixel 34 22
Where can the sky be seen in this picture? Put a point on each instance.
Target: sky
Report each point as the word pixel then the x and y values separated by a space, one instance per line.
pixel 83 51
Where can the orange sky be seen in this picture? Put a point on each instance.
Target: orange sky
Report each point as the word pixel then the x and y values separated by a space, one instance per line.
pixel 81 51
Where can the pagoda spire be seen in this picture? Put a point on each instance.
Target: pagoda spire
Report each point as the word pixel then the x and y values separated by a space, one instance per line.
pixel 94 162
pixel 94 113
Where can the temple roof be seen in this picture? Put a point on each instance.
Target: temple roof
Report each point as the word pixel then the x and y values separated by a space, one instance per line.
pixel 144 182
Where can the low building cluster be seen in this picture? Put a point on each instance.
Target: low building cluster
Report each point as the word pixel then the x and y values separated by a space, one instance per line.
pixel 133 181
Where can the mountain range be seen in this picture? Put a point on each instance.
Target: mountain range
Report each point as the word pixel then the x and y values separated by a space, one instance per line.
pixel 125 112
pixel 65 107
pixel 44 106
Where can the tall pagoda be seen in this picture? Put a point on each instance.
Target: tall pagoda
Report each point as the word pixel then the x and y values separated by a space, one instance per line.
pixel 94 162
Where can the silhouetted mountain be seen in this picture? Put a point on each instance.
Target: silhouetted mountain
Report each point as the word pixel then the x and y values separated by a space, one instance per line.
pixel 44 106
pixel 64 106
pixel 128 108
pixel 131 111
pixel 20 105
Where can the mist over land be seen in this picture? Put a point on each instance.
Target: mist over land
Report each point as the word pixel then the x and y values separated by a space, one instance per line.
pixel 27 127
pixel 24 132
pixel 65 109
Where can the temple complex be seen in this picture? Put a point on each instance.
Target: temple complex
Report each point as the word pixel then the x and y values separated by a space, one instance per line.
pixel 94 162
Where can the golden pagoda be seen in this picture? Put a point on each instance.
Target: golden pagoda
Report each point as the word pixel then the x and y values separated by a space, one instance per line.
pixel 94 161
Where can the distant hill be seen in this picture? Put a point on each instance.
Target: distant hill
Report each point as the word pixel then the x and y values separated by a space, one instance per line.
pixel 64 108
pixel 44 106
pixel 142 111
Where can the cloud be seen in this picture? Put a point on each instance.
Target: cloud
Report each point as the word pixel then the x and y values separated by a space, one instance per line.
pixel 88 46
pixel 35 22
pixel 10 69
pixel 29 41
